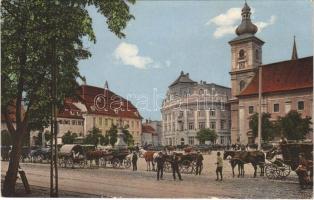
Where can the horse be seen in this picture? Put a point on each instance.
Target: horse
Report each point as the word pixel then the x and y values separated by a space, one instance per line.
pixel 256 158
pixel 94 155
pixel 150 157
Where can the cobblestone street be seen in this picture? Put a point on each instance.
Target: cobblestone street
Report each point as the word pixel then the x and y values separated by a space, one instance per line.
pixel 126 183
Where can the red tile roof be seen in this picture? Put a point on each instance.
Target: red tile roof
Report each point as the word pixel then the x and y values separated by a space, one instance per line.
pixel 69 110
pixel 108 102
pixel 283 76
pixel 146 128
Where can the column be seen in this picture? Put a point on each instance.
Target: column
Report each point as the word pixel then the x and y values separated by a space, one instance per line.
pixel 185 119
pixel 207 118
pixel 195 119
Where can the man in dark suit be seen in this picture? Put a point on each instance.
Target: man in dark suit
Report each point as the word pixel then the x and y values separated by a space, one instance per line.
pixel 175 167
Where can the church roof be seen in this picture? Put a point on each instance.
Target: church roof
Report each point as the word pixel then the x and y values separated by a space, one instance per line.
pixel 283 76
pixel 183 78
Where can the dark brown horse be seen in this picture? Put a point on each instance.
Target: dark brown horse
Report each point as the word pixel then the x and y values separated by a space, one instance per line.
pixel 94 155
pixel 256 158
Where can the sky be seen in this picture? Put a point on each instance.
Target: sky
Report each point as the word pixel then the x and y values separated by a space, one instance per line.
pixel 167 37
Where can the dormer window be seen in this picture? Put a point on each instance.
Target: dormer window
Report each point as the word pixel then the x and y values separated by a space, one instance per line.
pixel 241 54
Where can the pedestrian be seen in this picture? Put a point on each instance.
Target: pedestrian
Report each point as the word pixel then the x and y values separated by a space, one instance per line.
pixel 219 164
pixel 302 169
pixel 134 161
pixel 160 166
pixel 175 167
pixel 199 163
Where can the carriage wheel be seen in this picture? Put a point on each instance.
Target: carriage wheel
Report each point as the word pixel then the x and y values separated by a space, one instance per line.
pixel 82 163
pixel 284 171
pixel 167 166
pixel 186 166
pixel 69 162
pixel 271 171
pixel 115 163
pixel 127 163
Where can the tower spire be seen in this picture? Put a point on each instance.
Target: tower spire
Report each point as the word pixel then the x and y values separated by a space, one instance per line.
pixel 294 50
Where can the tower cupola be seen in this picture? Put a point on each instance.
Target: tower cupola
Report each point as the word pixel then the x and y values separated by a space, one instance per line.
pixel 246 26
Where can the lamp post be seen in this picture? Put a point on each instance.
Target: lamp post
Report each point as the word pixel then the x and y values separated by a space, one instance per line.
pixel 259 134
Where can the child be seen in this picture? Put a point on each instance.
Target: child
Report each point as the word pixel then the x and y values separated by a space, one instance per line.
pixel 219 164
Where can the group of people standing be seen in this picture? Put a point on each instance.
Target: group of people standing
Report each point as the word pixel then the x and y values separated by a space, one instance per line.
pixel 174 160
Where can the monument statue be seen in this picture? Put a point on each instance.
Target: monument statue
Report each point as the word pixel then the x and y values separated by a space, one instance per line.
pixel 120 144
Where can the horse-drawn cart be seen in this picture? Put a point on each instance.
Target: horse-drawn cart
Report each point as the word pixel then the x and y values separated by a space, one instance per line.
pixel 285 158
pixel 72 155
pixel 116 158
pixel 187 163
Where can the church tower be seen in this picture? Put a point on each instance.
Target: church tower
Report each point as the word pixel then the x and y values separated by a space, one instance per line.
pixel 246 56
pixel 246 53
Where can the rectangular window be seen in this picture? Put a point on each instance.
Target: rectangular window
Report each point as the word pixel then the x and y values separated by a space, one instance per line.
pixel 222 140
pixel 212 113
pixel 222 124
pixel 251 109
pixel 300 105
pixel 100 121
pixel 213 125
pixel 276 107
pixel 201 125
pixel 191 126
pixel 137 124
pixel 191 140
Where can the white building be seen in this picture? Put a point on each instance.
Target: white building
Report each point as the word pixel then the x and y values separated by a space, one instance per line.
pixel 190 106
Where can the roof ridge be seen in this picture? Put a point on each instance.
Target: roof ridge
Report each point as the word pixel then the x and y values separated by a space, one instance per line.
pixel 283 61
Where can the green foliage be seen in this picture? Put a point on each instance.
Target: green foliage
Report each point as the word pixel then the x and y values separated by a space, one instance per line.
pixel 5 138
pixel 37 34
pixel 293 126
pixel 112 134
pixel 94 137
pixel 206 135
pixel 69 137
pixel 39 139
pixel 268 127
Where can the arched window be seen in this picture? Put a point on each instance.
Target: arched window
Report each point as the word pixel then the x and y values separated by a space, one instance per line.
pixel 182 141
pixel 242 85
pixel 241 54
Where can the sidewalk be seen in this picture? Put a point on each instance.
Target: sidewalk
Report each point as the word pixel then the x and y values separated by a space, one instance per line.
pixel 37 191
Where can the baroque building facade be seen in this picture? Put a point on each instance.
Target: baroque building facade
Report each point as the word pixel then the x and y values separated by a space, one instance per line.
pixel 96 107
pixel 190 106
pixel 285 85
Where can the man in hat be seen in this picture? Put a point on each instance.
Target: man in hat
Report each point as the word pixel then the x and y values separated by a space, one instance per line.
pixel 134 161
pixel 199 163
pixel 175 167
pixel 160 165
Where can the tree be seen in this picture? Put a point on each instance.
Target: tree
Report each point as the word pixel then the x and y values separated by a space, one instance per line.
pixel 293 126
pixel 94 137
pixel 69 137
pixel 206 135
pixel 37 35
pixel 268 127
pixel 39 138
pixel 112 133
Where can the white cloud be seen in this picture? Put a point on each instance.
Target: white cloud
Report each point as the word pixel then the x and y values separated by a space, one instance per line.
pixel 227 22
pixel 168 63
pixel 128 54
pixel 262 25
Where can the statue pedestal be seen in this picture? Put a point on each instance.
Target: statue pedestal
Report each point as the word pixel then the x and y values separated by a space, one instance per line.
pixel 120 144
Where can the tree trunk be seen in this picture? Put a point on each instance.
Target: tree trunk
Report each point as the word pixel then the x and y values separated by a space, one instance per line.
pixel 11 175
